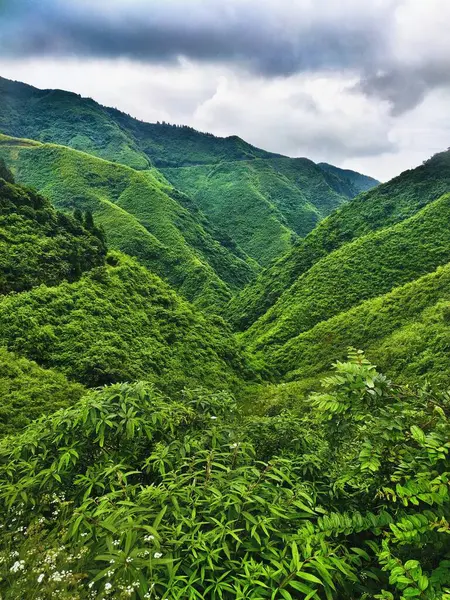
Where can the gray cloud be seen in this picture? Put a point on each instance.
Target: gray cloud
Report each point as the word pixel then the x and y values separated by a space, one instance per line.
pixel 395 49
pixel 269 37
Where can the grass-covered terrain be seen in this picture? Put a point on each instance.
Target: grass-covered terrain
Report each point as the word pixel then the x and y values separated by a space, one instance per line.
pixel 382 207
pixel 140 215
pixel 365 268
pixel 147 451
pixel 407 332
pixel 264 204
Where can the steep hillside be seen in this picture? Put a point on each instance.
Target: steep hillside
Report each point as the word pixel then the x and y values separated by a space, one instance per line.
pixel 376 209
pixel 263 203
pixel 140 215
pixel 259 206
pixel 367 267
pixel 355 181
pixel 119 323
pixel 405 331
pixel 40 245
pixel 81 123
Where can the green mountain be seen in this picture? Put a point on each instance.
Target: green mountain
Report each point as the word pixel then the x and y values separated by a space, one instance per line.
pixel 259 201
pixel 264 204
pixel 367 267
pixel 146 450
pixel 140 214
pixel 89 318
pixel 382 207
pixel 405 331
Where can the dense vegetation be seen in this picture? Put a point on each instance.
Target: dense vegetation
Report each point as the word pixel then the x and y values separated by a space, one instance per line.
pixel 405 331
pixel 131 494
pixel 39 244
pixel 367 267
pixel 119 323
pixel 263 204
pixel 147 451
pixel 140 215
pixel 386 205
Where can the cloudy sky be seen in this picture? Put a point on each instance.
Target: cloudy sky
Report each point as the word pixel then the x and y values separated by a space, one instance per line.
pixel 363 84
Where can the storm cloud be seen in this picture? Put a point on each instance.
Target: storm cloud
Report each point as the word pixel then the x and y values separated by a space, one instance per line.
pixel 270 37
pixel 334 80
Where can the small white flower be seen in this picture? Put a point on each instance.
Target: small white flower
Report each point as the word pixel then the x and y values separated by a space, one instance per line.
pixel 108 586
pixel 234 445
pixel 19 565
pixel 40 578
pixel 128 559
pixel 149 538
pixel 157 555
pixel 213 417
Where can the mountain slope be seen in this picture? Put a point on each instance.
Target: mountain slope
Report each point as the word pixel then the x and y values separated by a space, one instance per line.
pixel 107 319
pixel 68 119
pixel 406 331
pixel 263 203
pixel 40 245
pixel 367 267
pixel 140 214
pixel 260 200
pixel 119 323
pixel 376 209
pixel 27 391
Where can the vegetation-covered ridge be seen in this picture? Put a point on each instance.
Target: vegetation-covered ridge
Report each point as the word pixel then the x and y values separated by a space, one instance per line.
pixel 264 204
pixel 267 205
pixel 382 207
pixel 140 214
pixel 68 119
pixel 119 322
pixel 39 244
pixel 407 332
pixel 131 494
pixel 367 267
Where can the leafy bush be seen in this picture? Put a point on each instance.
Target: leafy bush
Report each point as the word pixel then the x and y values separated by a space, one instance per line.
pixel 130 494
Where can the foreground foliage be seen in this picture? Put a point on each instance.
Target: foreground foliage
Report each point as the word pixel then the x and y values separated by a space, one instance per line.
pixel 130 494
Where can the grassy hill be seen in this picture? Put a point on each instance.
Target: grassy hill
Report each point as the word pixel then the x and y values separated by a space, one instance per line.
pixel 367 267
pixel 258 199
pixel 263 204
pixel 140 214
pixel 119 323
pixel 406 332
pixel 382 207
pixel 40 245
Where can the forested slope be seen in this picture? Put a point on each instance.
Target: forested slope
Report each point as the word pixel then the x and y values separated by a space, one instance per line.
pixel 140 215
pixel 376 209
pixel 365 268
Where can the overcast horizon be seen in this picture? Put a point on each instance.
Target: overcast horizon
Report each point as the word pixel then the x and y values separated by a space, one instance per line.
pixel 364 87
